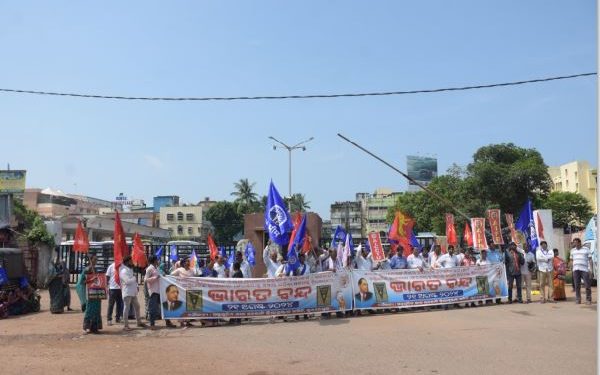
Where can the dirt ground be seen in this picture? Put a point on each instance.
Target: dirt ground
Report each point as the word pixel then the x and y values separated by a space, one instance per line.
pixel 501 339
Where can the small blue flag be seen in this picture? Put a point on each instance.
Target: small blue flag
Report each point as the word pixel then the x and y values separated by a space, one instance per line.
pixel 292 257
pixel 223 254
pixel 367 247
pixel 338 235
pixel 414 241
pixel 174 257
pixel 250 253
pixel 23 282
pixel 278 222
pixel 526 225
pixel 3 276
pixel 590 230
pixel 231 258
pixel 159 252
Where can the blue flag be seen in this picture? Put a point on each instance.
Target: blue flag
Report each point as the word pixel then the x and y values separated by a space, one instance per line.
pixel 590 230
pixel 338 235
pixel 174 253
pixel 526 225
pixel 278 222
pixel 3 276
pixel 367 247
pixel 231 259
pixel 292 257
pixel 250 253
pixel 352 251
pixel 23 282
pixel 223 254
pixel 159 252
pixel 414 241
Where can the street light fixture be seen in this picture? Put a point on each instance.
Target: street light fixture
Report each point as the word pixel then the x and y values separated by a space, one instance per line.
pixel 297 146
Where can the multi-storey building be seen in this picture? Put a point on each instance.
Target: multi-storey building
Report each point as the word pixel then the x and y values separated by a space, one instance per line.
pixel 576 177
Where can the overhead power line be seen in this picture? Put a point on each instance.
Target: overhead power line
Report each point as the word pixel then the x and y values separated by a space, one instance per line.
pixel 310 96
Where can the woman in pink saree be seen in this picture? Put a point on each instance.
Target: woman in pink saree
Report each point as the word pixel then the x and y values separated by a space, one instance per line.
pixel 560 270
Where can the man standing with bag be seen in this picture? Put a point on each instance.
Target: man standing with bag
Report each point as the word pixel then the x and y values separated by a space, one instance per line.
pixel 544 258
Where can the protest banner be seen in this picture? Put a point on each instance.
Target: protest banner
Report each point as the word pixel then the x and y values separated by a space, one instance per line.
pixel 493 217
pixel 376 247
pixel 479 240
pixel 96 286
pixel 409 288
pixel 199 297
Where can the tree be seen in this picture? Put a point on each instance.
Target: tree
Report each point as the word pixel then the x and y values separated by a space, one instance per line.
pixel 226 220
pixel 298 203
pixel 31 225
pixel 568 209
pixel 246 199
pixel 506 175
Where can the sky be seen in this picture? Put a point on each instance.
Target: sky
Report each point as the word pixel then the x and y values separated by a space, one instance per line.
pixel 240 48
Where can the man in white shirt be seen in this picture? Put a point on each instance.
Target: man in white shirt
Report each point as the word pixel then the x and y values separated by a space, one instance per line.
pixel 433 256
pixel 114 295
pixel 545 264
pixel 270 260
pixel 414 261
pixel 129 289
pixel 220 268
pixel 304 268
pixel 525 273
pixel 363 260
pixel 152 282
pixel 244 266
pixel 482 261
pixel 461 254
pixel 581 262
pixel 447 260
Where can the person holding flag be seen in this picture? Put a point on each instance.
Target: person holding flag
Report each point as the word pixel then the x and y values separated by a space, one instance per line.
pixel 243 264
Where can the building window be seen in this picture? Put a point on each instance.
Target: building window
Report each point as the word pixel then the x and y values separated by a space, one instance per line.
pixel 190 230
pixel 189 217
pixel 179 229
pixel 567 184
pixel 170 217
pixel 577 186
pixel 180 216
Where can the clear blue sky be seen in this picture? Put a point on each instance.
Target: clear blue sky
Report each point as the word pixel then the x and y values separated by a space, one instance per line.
pixel 231 48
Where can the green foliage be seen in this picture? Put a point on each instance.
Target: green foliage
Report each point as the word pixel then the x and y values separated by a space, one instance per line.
pixel 500 176
pixel 568 209
pixel 246 199
pixel 298 203
pixel 226 220
pixel 31 225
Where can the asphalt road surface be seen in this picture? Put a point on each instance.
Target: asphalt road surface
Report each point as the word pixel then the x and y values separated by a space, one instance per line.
pixel 557 338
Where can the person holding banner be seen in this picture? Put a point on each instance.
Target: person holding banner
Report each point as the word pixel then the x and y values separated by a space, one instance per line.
pixel 397 261
pixel 495 256
pixel 414 261
pixel 433 256
pixel 92 320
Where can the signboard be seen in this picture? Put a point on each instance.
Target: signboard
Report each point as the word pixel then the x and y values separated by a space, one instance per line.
pixel 478 227
pixel 493 217
pixel 376 248
pixel 206 297
pixel 96 286
pixel 421 168
pixel 12 181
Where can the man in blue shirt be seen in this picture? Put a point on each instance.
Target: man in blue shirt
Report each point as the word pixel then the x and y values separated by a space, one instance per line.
pixel 397 261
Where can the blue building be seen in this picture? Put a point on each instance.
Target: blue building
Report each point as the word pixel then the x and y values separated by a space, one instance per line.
pixel 165 200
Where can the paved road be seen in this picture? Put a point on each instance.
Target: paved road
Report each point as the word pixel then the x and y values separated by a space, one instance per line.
pixel 507 339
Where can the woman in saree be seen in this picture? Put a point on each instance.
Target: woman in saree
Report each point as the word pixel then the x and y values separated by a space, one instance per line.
pixel 92 320
pixel 55 286
pixel 560 270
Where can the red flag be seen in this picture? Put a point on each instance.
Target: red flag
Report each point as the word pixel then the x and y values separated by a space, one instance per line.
pixel 468 236
pixel 400 232
pixel 139 255
pixel 119 246
pixel 450 230
pixel 540 227
pixel 296 220
pixel 81 243
pixel 212 247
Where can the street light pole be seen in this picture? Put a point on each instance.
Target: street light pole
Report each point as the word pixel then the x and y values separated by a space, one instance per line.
pixel 297 146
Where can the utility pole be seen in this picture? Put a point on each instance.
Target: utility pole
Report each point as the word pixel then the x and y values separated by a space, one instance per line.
pixel 298 146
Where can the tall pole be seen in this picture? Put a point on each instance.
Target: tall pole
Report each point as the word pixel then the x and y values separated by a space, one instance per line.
pixel 290 172
pixel 297 146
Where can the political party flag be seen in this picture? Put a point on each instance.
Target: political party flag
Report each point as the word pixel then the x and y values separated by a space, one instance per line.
pixel 173 253
pixel 292 257
pixel 511 225
pixel 400 232
pixel 159 252
pixel 467 235
pixel 526 225
pixel 590 230
pixel 451 230
pixel 212 247
pixel 539 226
pixel 231 258
pixel 414 241
pixel 347 250
pixel 296 219
pixel 139 254
pixel 493 217
pixel 338 235
pixel 277 218
pixel 81 244
pixel 120 249
pixel 250 253
pixel 194 260
pixel 3 276
pixel 307 245
pixel 479 240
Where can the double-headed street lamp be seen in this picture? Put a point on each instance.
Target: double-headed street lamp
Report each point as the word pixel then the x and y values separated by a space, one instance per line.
pixel 298 146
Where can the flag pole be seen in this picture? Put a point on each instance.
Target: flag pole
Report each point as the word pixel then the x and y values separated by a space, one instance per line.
pixel 429 191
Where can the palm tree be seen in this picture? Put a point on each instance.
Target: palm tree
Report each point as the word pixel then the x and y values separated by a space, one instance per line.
pixel 298 203
pixel 244 193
